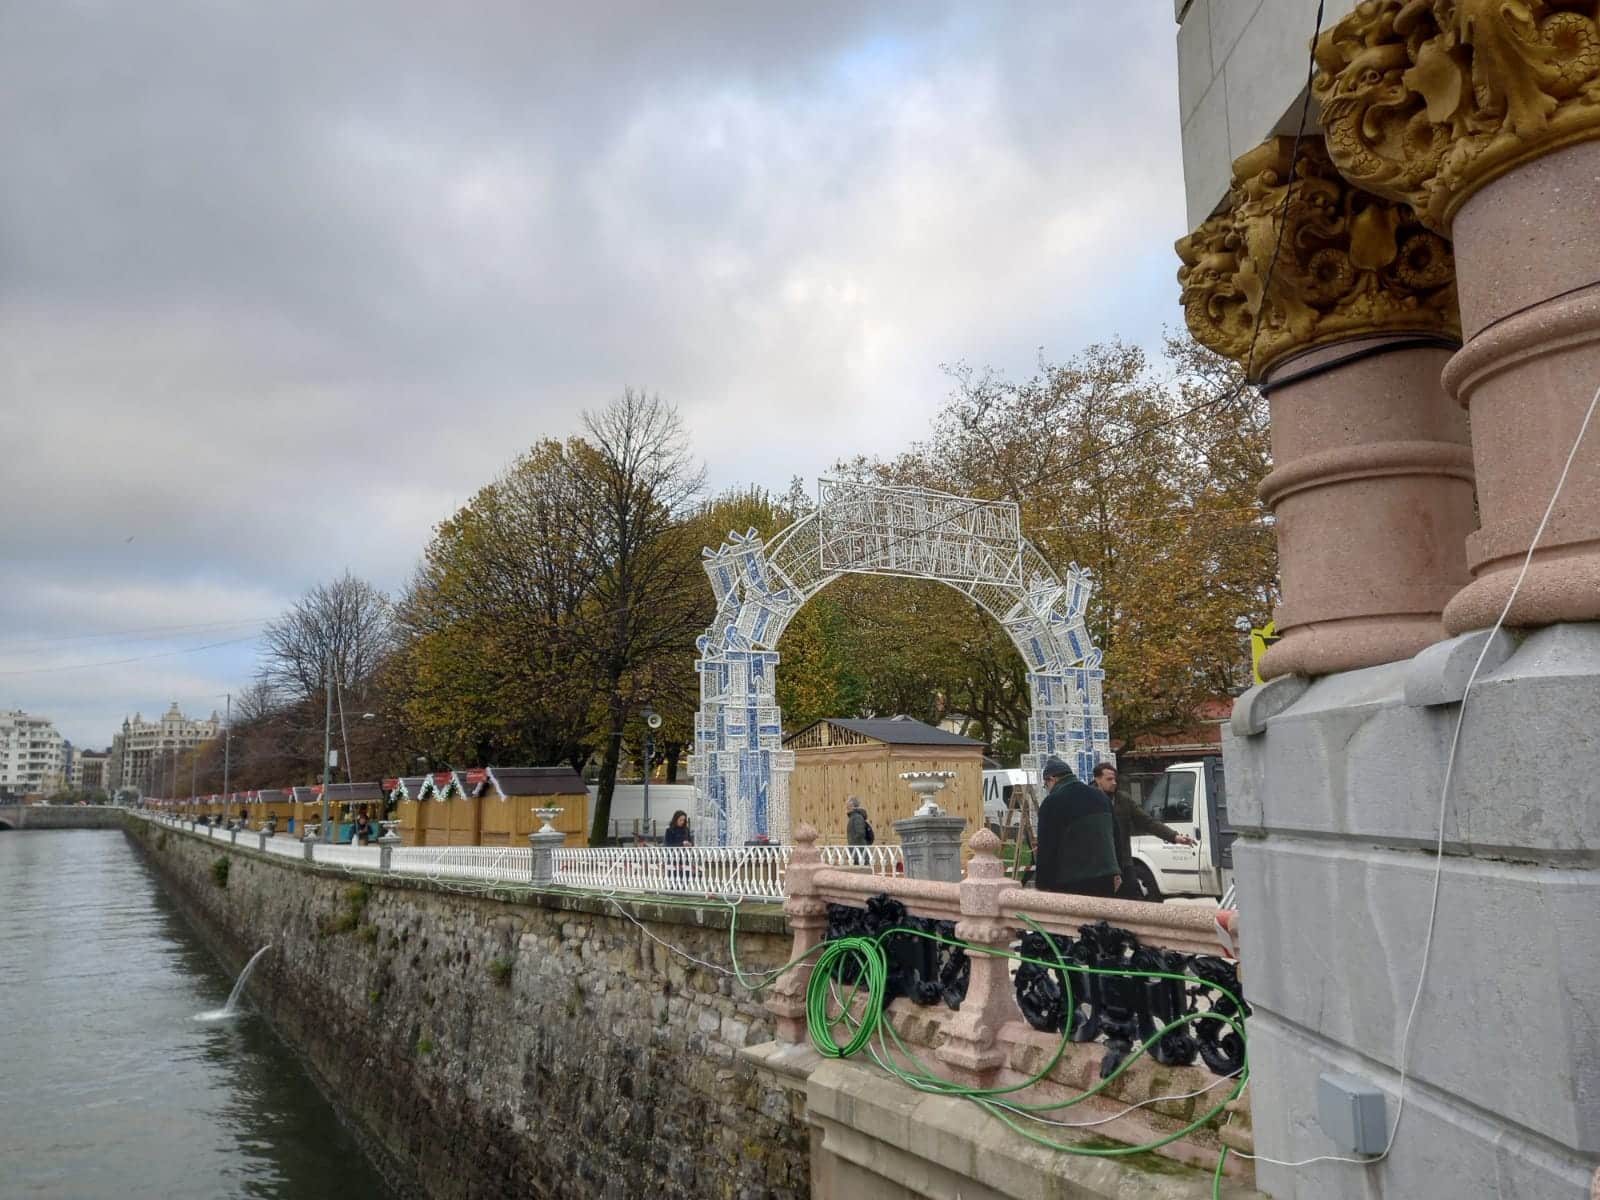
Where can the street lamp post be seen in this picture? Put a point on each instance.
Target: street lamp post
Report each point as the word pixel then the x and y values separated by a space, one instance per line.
pixel 227 741
pixel 327 753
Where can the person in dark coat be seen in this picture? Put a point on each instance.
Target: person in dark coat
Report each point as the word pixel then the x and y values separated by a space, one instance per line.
pixel 1077 836
pixel 678 831
pixel 1132 821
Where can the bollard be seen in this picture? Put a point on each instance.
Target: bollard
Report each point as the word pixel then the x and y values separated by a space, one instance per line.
pixel 233 833
pixel 261 839
pixel 309 841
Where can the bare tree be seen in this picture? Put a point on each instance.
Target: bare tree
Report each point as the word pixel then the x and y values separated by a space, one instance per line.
pixel 638 481
pixel 339 630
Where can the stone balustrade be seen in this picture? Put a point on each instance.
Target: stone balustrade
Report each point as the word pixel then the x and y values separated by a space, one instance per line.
pixel 985 1020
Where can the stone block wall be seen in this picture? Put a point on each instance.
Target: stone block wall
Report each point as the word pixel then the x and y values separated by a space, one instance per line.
pixel 539 1045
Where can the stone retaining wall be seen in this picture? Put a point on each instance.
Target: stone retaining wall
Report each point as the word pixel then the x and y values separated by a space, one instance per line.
pixel 522 1044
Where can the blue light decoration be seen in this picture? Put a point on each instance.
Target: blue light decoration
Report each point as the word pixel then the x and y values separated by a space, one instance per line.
pixel 741 769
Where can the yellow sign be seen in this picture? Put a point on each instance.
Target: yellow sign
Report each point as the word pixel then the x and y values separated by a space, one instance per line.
pixel 1260 639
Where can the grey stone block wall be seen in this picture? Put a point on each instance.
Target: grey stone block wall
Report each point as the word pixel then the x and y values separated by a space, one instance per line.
pixel 1338 801
pixel 533 1045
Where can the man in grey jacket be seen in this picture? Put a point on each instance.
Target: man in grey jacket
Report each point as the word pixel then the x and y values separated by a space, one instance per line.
pixel 857 829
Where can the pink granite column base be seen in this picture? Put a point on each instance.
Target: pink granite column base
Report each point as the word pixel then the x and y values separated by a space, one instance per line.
pixel 1373 500
pixel 1528 260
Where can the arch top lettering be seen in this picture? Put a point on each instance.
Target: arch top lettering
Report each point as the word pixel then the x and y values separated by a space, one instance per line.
pixel 740 766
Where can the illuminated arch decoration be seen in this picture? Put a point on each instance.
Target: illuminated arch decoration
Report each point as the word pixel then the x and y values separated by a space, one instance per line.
pixel 741 769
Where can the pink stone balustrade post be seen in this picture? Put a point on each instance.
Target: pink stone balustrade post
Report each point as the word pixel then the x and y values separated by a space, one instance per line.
pixel 972 1047
pixel 808 918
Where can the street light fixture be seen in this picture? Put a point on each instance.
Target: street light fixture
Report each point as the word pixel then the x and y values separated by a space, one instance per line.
pixel 652 721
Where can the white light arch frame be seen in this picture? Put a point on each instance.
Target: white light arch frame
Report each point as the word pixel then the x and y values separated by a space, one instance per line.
pixel 741 770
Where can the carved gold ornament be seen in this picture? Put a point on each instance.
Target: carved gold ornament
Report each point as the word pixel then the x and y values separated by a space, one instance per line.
pixel 1351 263
pixel 1425 101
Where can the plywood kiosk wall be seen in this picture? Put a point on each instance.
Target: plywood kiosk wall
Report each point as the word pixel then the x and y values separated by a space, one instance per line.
pixel 452 815
pixel 408 810
pixel 275 803
pixel 509 795
pixel 835 759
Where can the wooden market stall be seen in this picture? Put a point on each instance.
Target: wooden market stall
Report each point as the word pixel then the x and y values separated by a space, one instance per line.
pixel 346 801
pixel 273 805
pixel 406 807
pixel 305 809
pixel 507 797
pixel 451 814
pixel 835 759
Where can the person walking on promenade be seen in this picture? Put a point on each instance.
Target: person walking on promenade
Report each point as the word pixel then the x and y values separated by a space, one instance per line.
pixel 1077 836
pixel 1132 820
pixel 857 829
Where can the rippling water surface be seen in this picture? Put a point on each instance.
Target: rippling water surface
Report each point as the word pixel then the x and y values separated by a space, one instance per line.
pixel 108 1085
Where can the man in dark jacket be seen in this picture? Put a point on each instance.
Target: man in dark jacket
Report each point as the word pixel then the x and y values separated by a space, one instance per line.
pixel 1132 820
pixel 1077 836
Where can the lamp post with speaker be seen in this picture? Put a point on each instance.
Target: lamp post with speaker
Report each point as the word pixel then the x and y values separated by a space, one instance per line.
pixel 652 721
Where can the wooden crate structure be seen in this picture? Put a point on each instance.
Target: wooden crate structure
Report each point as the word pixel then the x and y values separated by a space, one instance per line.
pixel 508 796
pixel 836 758
pixel 451 813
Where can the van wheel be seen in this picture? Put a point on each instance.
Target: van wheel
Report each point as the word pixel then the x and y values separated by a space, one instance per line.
pixel 1141 885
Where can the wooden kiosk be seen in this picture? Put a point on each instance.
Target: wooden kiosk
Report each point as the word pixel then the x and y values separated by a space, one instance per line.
pixel 507 797
pixel 835 759
pixel 451 814
pixel 274 803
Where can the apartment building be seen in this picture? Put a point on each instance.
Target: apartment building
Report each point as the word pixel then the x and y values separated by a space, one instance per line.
pixel 30 755
pixel 142 747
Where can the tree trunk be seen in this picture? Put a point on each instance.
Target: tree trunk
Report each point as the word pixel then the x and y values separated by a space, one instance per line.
pixel 600 821
pixel 674 753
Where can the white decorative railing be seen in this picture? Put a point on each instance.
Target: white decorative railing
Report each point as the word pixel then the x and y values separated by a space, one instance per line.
pixel 498 864
pixel 881 859
pixel 754 872
pixel 748 872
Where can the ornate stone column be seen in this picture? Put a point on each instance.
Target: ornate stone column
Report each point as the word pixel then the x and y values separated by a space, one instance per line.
pixel 1372 481
pixel 1485 116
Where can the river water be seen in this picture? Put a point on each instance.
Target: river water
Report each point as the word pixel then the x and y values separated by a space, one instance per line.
pixel 109 1087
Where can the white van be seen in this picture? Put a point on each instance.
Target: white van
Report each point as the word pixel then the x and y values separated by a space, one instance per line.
pixel 1192 799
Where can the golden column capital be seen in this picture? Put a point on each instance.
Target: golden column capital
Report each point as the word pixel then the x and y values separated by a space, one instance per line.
pixel 1425 101
pixel 1350 264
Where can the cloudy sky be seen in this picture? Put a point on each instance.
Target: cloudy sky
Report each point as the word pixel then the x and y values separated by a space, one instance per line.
pixel 282 284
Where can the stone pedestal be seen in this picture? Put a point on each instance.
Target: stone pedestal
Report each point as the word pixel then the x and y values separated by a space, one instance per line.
pixel 544 842
pixel 930 838
pixel 1530 307
pixel 931 844
pixel 1372 492
pixel 1336 797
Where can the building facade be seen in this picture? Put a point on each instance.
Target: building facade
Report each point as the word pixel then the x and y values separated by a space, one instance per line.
pixel 143 748
pixel 30 755
pixel 91 771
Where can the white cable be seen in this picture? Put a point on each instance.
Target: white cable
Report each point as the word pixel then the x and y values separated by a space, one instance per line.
pixel 1444 800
